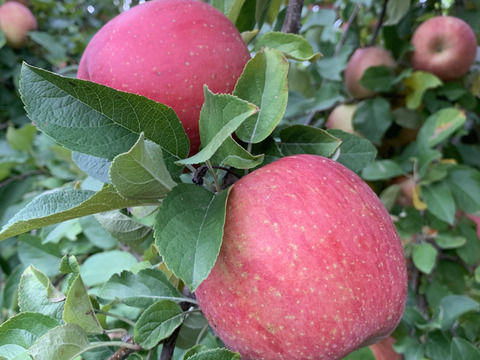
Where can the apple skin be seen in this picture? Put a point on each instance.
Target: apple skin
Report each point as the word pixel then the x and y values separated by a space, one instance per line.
pixel 167 50
pixel 311 265
pixel 383 350
pixel 445 46
pixel 361 60
pixel 16 20
pixel 341 118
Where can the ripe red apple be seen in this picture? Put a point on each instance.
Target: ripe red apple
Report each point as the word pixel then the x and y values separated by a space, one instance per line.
pixel 311 265
pixel 167 50
pixel 16 20
pixel 445 46
pixel 359 62
pixel 342 118
pixel 383 350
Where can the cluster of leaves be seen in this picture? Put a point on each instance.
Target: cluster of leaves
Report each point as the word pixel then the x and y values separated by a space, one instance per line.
pixel 106 236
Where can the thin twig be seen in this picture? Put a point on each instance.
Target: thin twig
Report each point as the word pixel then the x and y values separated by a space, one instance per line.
pixel 124 352
pixel 352 17
pixel 380 22
pixel 293 17
pixel 21 177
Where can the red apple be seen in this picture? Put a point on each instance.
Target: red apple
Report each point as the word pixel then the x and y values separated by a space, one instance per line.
pixel 383 350
pixel 311 265
pixel 342 118
pixel 167 50
pixel 359 62
pixel 16 20
pixel 445 46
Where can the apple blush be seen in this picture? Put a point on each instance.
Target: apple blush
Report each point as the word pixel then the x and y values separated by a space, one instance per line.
pixel 311 265
pixel 167 50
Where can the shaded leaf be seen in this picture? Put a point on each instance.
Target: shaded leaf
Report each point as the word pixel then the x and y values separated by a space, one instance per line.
pixel 141 173
pixel 301 139
pixel 157 322
pixel 292 46
pixel 106 122
pixel 220 116
pixel 79 309
pixel 424 257
pixel 141 289
pixel 61 205
pixel 18 333
pixel 439 200
pixel 189 231
pixel 373 118
pixel 453 306
pixel 263 83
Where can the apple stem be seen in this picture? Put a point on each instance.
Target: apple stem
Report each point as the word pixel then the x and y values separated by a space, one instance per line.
pixel 292 22
pixel 380 22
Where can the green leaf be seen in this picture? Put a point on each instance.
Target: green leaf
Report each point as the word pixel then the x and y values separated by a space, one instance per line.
pixel 470 252
pixel 21 139
pixel 263 83
pixel 79 309
pixel 93 166
pixel 45 257
pixel 220 116
pixel 61 205
pixel 373 118
pixel 396 10
pixel 18 333
pixel 361 354
pixel 292 46
pixel 139 290
pixel 215 354
pixel 189 231
pixel 355 152
pixel 418 83
pixel 141 173
pixel 463 350
pixel 382 170
pixel 439 200
pixel 37 294
pixel 69 265
pixel 378 79
pixel 302 139
pixel 440 126
pixel 231 8
pixel 449 241
pixel 105 122
pixel 452 307
pixel 98 268
pixel 64 342
pixel 157 322
pixel 424 257
pixel 464 182
pixel 122 227
pixel 194 350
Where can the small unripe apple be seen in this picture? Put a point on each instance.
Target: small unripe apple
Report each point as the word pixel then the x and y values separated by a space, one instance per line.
pixel 342 118
pixel 167 50
pixel 359 62
pixel 16 20
pixel 445 46
pixel 407 187
pixel 311 265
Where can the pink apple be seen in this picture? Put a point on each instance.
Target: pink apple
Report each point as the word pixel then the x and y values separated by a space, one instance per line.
pixel 341 118
pixel 445 46
pixel 359 62
pixel 407 187
pixel 16 20
pixel 167 50
pixel 311 265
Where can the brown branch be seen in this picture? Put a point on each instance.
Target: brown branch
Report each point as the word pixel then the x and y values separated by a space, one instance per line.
pixel 124 352
pixel 292 22
pixel 21 177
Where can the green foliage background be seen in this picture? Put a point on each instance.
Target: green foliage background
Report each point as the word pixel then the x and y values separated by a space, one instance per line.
pixel 89 272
